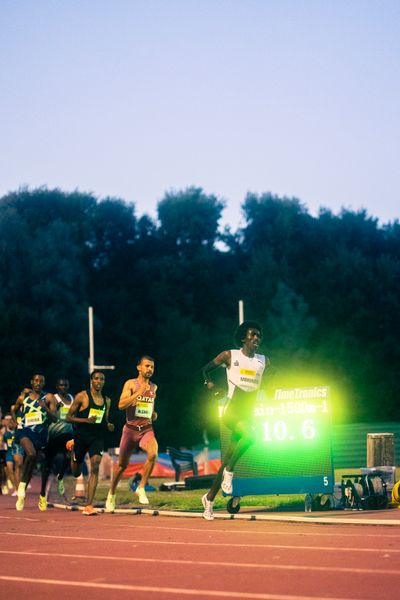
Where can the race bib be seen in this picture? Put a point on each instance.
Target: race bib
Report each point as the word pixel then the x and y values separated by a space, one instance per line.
pixel 144 408
pixel 33 418
pixel 98 413
pixel 63 412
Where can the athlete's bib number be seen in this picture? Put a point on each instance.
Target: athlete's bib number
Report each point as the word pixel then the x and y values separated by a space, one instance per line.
pixel 144 409
pixel 98 413
pixel 33 418
pixel 63 412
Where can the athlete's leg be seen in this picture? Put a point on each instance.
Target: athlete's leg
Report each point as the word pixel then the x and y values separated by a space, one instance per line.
pixel 30 460
pixel 151 449
pixel 49 455
pixel 243 438
pixel 218 478
pixel 95 461
pixel 18 461
pixel 10 473
pixel 246 436
pixel 127 445
pixel 78 456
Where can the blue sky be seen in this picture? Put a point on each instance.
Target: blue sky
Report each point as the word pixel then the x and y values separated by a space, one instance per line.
pixel 131 99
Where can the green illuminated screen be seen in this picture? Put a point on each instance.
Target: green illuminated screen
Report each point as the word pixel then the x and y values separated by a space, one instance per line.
pixel 293 440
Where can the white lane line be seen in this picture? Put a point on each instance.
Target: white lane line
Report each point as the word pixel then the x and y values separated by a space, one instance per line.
pixel 207 563
pixel 164 590
pixel 13 518
pixel 202 544
pixel 330 533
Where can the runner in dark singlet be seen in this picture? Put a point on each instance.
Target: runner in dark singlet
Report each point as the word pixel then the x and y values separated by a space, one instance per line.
pixel 89 415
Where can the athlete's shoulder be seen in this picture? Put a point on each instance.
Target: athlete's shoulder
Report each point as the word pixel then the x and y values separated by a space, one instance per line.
pixel 262 359
pixel 81 396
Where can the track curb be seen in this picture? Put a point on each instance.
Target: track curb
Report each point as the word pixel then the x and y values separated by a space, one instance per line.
pixel 246 516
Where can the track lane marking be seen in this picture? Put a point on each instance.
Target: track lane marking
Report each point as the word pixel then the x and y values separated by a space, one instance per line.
pixel 165 590
pixel 206 563
pixel 208 544
pixel 276 532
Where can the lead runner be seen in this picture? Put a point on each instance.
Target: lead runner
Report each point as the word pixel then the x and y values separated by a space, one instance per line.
pixel 244 371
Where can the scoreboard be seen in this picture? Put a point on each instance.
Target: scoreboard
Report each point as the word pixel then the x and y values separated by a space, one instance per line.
pixel 292 452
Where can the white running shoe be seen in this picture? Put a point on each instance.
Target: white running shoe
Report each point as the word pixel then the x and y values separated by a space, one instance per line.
pixel 110 502
pixel 208 513
pixel 141 494
pixel 226 485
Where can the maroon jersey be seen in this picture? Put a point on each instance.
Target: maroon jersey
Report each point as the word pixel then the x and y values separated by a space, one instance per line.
pixel 140 414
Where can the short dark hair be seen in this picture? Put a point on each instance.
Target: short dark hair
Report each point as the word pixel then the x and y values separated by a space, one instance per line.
pixel 144 357
pixel 93 373
pixel 241 331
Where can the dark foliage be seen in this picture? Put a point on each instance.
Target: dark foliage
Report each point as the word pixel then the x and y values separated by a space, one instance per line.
pixel 326 291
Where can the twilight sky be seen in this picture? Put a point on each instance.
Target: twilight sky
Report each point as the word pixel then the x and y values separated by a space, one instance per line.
pixel 133 98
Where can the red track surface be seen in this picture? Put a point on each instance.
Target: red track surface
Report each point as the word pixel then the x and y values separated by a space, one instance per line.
pixel 61 554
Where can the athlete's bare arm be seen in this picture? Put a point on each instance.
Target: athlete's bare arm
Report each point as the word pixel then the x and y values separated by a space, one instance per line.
pixel 110 426
pixel 80 402
pixel 49 403
pixel 222 360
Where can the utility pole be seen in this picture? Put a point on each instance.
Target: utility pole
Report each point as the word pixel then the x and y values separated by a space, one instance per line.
pixel 241 312
pixel 91 364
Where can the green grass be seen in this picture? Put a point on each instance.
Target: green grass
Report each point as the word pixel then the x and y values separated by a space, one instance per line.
pixel 190 500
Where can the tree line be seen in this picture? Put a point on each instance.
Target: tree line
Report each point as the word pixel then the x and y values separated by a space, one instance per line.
pixel 326 290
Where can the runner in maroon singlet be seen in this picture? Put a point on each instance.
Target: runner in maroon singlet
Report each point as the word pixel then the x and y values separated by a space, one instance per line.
pixel 137 398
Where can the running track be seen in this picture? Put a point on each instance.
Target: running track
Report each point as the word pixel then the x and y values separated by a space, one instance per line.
pixel 60 554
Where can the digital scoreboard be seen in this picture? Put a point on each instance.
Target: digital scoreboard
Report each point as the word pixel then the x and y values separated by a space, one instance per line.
pixel 292 451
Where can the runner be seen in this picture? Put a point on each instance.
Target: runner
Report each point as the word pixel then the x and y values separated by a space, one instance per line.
pixel 14 453
pixel 89 415
pixel 35 409
pixel 137 398
pixel 59 434
pixel 244 370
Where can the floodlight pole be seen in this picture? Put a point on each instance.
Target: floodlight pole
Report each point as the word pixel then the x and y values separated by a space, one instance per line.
pixel 241 312
pixel 91 364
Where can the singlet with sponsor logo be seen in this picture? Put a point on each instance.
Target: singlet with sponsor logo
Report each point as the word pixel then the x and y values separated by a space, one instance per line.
pixel 61 427
pixel 141 413
pixel 92 410
pixel 32 415
pixel 244 372
pixel 8 439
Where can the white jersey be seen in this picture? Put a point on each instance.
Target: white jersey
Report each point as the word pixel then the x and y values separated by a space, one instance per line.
pixel 245 372
pixel 62 406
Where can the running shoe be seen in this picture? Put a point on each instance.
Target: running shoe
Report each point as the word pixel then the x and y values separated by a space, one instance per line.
pixel 4 490
pixel 208 513
pixel 60 486
pixel 141 494
pixel 20 503
pixel 42 504
pixel 70 445
pixel 226 485
pixel 110 502
pixel 89 511
pixel 15 493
